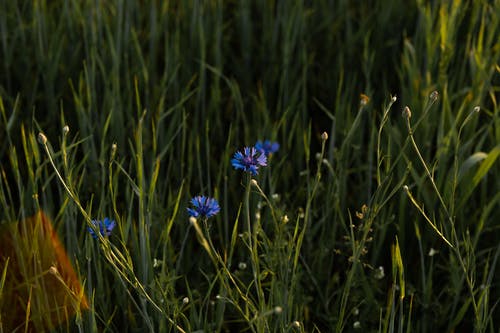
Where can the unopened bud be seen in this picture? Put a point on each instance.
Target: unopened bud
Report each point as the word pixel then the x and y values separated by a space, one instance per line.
pixel 363 99
pixel 434 95
pixel 406 112
pixel 53 270
pixel 65 129
pixel 324 136
pixel 42 138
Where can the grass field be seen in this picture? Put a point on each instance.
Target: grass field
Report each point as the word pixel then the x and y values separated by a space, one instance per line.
pixel 379 212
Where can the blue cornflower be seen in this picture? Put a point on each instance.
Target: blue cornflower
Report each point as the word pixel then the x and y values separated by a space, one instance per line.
pixel 105 227
pixel 250 160
pixel 267 147
pixel 203 207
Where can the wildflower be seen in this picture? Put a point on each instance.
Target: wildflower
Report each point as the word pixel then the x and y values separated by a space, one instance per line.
pixel 250 160
pixel 105 227
pixel 203 207
pixel 267 147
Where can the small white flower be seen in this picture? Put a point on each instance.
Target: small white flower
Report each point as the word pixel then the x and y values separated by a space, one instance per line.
pixel 156 263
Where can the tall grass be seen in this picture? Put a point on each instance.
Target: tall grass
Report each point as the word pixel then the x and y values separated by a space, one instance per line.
pixel 371 215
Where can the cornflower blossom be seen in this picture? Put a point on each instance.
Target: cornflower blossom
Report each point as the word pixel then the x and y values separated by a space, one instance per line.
pixel 267 147
pixel 203 207
pixel 105 227
pixel 249 160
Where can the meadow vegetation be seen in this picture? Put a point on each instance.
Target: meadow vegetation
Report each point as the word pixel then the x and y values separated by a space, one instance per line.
pixel 379 212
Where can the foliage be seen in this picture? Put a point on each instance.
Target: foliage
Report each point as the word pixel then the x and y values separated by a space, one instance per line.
pixel 362 218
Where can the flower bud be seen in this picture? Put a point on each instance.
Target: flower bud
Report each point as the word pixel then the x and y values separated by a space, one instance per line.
pixel 406 113
pixel 42 138
pixel 434 95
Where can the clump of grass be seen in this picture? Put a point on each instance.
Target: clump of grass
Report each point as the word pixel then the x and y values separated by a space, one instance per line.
pixel 362 219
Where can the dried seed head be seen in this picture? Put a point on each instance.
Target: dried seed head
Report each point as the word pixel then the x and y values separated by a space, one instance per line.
pixel 405 188
pixel 254 182
pixel 185 300
pixel 242 266
pixel 278 309
pixel 477 108
pixel 324 136
pixel 356 325
pixel 65 130
pixel 296 324
pixel 393 99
